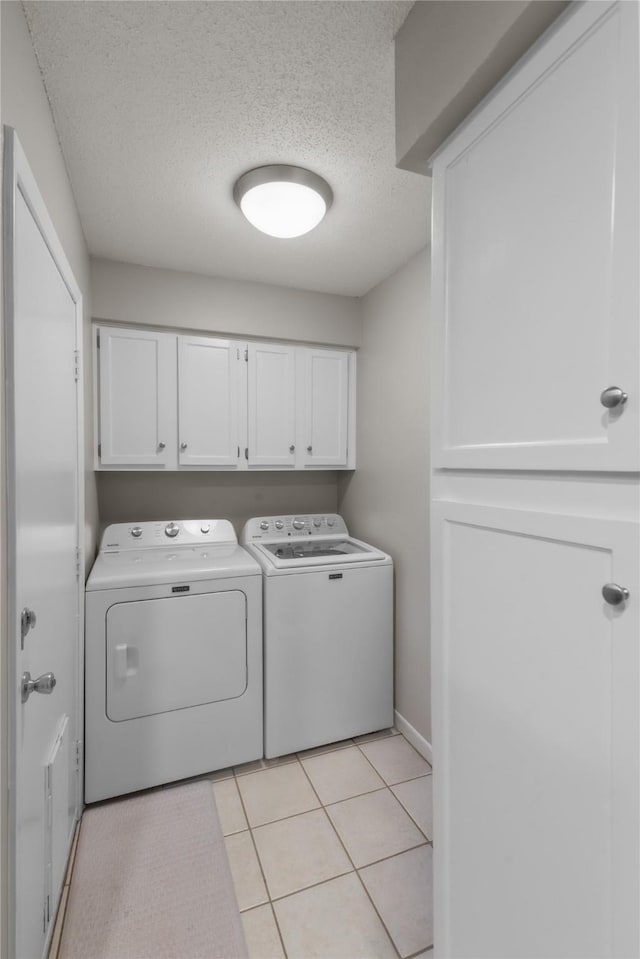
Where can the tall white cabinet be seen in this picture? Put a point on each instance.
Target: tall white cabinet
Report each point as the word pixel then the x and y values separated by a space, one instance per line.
pixel 535 505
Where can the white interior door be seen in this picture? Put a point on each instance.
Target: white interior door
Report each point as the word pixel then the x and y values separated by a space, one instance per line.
pixel 535 713
pixel 43 324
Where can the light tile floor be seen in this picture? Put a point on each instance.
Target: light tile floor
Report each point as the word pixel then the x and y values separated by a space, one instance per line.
pixel 331 850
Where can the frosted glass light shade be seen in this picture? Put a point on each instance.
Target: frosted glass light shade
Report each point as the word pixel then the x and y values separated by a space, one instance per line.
pixel 283 201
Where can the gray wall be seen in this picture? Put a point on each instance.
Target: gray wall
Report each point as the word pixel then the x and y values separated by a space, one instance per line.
pixel 24 106
pixel 189 301
pixel 136 295
pixel 386 500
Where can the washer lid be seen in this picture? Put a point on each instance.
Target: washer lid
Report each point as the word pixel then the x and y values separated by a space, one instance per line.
pixel 302 554
pixel 157 567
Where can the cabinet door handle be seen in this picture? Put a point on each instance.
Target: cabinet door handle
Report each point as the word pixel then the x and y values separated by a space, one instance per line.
pixel 183 446
pixel 612 397
pixel 292 449
pixel 161 445
pixel 309 449
pixel 614 594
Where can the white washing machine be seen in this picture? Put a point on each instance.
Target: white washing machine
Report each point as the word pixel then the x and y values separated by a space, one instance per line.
pixel 173 656
pixel 328 631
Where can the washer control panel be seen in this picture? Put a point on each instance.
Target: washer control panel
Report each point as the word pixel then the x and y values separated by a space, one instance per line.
pixel 173 533
pixel 270 529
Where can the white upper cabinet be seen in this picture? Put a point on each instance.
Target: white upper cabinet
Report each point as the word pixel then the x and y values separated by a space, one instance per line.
pixel 271 405
pixel 544 173
pixel 176 401
pixel 325 411
pixel 208 398
pixel 137 388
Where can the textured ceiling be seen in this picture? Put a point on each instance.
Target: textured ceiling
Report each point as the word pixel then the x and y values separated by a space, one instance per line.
pixel 160 106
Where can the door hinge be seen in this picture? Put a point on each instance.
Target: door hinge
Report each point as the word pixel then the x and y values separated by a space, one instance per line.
pixel 98 341
pixel 78 752
pixel 238 452
pixel 246 452
pixel 246 356
pixel 78 561
pixel 99 449
pixel 76 365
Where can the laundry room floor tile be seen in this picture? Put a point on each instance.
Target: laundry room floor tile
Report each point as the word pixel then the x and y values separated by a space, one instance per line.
pixel 401 890
pixel 276 793
pixel 300 852
pixel 395 759
pixel 416 796
pixel 230 811
pixel 341 775
pixel 245 869
pixel 261 933
pixel 380 734
pixel 323 867
pixel 332 921
pixel 374 826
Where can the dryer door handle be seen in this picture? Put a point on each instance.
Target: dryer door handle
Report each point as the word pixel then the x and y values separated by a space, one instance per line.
pixel 126 660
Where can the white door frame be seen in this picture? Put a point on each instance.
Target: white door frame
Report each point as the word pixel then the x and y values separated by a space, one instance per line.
pixel 18 177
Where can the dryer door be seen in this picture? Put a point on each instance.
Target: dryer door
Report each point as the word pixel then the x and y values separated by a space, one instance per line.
pixel 172 653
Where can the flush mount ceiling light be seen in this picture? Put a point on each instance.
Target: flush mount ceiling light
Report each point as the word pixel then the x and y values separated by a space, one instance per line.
pixel 282 200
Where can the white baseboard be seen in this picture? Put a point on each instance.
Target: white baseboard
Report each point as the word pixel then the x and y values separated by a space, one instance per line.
pixel 413 736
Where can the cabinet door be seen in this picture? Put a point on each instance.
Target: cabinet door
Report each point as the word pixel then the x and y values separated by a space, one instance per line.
pixel 536 744
pixel 137 398
pixel 208 398
pixel 325 417
pixel 535 260
pixel 272 405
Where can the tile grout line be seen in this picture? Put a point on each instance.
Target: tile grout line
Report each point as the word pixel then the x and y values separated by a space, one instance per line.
pixel 355 869
pixel 264 878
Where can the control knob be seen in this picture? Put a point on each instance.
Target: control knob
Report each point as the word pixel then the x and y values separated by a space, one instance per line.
pixel 264 525
pixel 205 528
pixel 317 521
pixel 136 531
pixel 279 524
pixel 171 530
pixel 330 521
pixel 298 523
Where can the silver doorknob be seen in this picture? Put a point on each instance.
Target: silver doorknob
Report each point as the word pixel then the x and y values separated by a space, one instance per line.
pixel 614 594
pixel 613 396
pixel 43 684
pixel 161 446
pixel 292 448
pixel 183 446
pixel 309 449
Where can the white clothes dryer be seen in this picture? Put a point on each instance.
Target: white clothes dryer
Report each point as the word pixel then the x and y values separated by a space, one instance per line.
pixel 173 656
pixel 328 631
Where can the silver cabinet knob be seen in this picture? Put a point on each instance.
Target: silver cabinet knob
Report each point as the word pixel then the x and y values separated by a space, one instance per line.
pixel 612 397
pixel 137 532
pixel 171 530
pixel 292 448
pixel 309 449
pixel 614 594
pixel 161 446
pixel 183 446
pixel 43 684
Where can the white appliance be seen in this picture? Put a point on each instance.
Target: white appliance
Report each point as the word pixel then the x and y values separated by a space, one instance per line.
pixel 173 655
pixel 328 631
